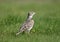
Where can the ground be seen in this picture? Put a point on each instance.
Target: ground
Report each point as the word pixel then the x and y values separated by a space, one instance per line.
pixel 47 22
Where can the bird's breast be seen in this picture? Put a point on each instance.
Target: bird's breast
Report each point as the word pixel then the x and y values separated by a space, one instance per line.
pixel 30 23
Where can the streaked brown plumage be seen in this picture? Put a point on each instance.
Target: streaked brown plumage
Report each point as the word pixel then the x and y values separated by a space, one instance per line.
pixel 28 24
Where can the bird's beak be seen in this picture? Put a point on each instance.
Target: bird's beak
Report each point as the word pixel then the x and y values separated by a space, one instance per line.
pixel 34 13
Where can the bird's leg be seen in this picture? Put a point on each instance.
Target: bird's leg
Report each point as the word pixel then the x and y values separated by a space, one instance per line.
pixel 28 31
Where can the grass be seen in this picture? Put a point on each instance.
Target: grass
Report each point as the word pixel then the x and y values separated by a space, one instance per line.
pixel 47 22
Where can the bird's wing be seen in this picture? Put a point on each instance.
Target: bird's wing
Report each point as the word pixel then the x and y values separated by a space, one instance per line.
pixel 27 25
pixel 23 27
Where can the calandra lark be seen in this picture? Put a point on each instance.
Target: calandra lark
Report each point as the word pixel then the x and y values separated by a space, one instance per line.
pixel 28 24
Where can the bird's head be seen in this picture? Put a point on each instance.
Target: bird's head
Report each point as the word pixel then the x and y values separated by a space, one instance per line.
pixel 31 14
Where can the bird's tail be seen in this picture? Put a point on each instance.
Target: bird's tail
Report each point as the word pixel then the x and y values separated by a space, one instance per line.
pixel 18 33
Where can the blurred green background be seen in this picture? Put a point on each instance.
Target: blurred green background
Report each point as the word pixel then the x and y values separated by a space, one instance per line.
pixel 47 20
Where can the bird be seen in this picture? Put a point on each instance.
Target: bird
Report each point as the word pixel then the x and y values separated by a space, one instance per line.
pixel 28 24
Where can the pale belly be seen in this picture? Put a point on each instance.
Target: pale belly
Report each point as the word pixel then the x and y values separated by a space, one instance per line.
pixel 30 25
pixel 30 28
